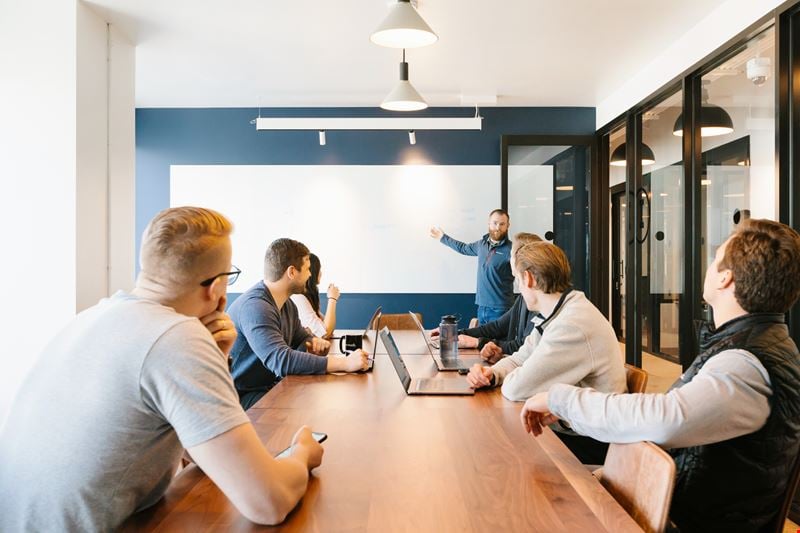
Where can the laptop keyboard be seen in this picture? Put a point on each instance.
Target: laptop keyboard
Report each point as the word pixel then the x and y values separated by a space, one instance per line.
pixel 430 384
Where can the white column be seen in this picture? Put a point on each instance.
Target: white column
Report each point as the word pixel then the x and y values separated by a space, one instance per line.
pixel 54 174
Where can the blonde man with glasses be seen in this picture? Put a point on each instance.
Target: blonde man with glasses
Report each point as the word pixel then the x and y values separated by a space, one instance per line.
pixel 102 420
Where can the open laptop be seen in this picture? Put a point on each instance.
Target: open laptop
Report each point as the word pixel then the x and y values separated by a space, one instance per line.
pixel 374 322
pixel 422 386
pixel 446 364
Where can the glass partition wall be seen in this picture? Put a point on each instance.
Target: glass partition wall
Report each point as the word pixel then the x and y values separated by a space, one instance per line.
pixel 706 152
pixel 738 177
pixel 662 234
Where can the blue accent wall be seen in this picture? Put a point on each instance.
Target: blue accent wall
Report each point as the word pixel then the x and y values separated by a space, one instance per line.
pixel 225 136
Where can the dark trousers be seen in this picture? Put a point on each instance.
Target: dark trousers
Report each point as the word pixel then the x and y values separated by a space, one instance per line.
pixel 586 449
pixel 249 399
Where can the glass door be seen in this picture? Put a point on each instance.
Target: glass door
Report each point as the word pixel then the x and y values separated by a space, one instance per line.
pixel 545 189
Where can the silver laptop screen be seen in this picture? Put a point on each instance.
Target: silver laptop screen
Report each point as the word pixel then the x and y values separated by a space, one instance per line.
pixel 394 356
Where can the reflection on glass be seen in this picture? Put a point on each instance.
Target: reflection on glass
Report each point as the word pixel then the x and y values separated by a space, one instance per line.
pixel 738 168
pixel 548 195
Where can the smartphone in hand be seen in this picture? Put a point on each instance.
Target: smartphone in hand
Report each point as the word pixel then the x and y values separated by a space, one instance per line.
pixel 318 436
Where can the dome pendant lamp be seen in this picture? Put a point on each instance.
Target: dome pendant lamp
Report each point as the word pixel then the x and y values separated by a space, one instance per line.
pixel 403 27
pixel 713 121
pixel 404 97
pixel 618 156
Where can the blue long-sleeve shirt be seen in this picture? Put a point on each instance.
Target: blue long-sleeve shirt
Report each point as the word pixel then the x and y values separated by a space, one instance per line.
pixel 267 341
pixel 495 284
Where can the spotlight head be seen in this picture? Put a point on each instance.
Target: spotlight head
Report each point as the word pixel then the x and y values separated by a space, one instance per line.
pixel 322 137
pixel 412 137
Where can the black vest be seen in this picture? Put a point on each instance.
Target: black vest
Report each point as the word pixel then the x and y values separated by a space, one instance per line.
pixel 739 484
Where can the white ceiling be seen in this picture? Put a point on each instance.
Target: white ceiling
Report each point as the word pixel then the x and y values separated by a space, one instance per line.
pixel 315 53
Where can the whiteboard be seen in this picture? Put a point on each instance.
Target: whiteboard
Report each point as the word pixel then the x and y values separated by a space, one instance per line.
pixel 367 223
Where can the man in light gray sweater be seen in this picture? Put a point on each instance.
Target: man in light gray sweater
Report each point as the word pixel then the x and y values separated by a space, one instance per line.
pixel 731 421
pixel 572 342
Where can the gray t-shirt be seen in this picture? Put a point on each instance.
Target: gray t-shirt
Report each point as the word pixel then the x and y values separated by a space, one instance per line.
pixel 99 425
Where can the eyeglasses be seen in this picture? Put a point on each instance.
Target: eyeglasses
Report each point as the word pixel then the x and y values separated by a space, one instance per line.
pixel 232 277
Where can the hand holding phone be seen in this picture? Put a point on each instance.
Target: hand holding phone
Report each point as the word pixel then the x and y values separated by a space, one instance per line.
pixel 318 436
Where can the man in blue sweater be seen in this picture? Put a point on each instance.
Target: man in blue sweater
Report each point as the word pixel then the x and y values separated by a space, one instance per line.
pixel 271 341
pixel 495 289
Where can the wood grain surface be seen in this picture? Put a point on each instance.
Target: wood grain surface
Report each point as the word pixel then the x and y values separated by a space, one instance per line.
pixel 399 463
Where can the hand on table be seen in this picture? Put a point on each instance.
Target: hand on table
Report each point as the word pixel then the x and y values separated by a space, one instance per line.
pixel 221 327
pixel 491 352
pixel 480 376
pixel 466 341
pixel 535 414
pixel 356 361
pixel 306 448
pixel 318 346
pixel 436 233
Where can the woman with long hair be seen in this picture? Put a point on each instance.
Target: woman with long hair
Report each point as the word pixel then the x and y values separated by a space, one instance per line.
pixel 308 303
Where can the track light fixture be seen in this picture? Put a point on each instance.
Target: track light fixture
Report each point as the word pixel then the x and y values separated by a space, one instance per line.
pixel 412 137
pixel 322 137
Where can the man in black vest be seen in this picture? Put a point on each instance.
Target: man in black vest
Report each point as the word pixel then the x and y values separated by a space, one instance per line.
pixel 732 421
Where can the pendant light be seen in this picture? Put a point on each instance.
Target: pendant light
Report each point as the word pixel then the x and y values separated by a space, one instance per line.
pixel 403 27
pixel 404 97
pixel 618 156
pixel 713 119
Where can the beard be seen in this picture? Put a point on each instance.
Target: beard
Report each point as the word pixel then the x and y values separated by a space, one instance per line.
pixel 297 288
pixel 497 235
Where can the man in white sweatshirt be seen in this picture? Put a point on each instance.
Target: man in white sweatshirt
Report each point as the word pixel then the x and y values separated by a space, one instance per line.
pixel 731 421
pixel 572 342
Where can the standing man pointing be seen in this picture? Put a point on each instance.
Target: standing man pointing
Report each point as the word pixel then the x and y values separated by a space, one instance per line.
pixel 495 288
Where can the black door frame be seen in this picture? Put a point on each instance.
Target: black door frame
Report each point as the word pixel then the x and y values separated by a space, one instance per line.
pixel 597 224
pixel 616 309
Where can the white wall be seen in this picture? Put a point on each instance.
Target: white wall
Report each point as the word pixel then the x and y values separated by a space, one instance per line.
pixel 710 33
pixel 53 177
pixel 37 179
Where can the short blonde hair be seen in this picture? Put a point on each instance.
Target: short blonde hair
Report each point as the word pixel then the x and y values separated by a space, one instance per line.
pixel 547 263
pixel 179 245
pixel 522 238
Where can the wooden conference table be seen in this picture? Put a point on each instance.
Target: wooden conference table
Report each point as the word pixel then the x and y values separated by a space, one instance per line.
pixel 399 463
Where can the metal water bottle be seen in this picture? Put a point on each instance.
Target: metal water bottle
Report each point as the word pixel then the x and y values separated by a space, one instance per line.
pixel 448 333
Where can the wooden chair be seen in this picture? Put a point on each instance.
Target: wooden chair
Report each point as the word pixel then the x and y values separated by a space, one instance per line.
pixel 473 322
pixel 791 487
pixel 398 321
pixel 636 378
pixel 640 476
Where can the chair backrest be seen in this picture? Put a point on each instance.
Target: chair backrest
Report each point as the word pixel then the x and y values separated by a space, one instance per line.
pixel 473 322
pixel 641 476
pixel 791 488
pixel 398 321
pixel 636 378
